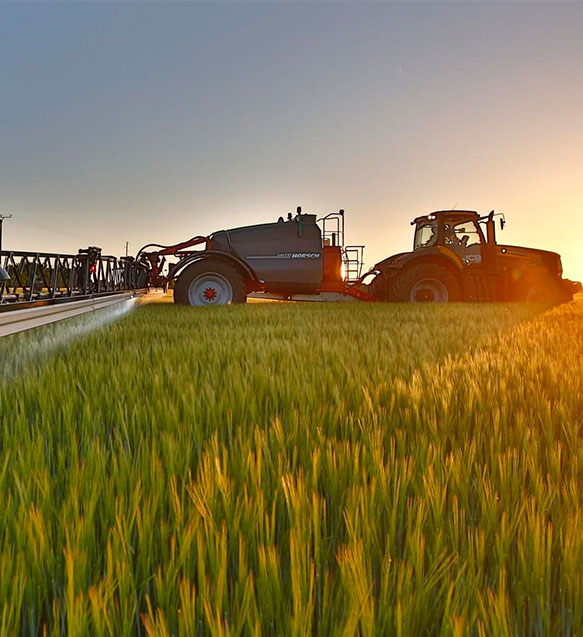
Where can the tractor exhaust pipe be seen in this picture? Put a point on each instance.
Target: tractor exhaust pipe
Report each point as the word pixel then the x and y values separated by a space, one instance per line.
pixel 491 228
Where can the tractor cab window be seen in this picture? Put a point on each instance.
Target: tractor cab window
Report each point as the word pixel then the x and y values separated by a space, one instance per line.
pixel 464 239
pixel 425 235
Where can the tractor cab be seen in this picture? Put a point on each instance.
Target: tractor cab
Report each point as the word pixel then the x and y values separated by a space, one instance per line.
pixel 457 230
pixel 461 232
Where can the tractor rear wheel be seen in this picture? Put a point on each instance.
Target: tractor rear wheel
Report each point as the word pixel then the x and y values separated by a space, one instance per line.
pixel 210 282
pixel 427 283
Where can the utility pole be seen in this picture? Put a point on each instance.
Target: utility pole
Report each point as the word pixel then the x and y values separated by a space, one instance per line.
pixel 127 247
pixel 2 217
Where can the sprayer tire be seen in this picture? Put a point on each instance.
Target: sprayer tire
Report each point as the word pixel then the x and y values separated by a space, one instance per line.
pixel 210 282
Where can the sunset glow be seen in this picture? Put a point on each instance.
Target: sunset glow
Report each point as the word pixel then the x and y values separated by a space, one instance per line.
pixel 139 123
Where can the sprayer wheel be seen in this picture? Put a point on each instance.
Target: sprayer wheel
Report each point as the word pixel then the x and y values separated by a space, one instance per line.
pixel 210 282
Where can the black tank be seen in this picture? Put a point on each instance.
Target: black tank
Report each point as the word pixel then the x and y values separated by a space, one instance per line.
pixel 286 255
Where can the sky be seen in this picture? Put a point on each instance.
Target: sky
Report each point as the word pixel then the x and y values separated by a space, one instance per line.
pixel 155 122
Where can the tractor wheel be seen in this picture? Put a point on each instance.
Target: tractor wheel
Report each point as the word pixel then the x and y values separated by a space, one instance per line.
pixel 426 283
pixel 210 282
pixel 544 290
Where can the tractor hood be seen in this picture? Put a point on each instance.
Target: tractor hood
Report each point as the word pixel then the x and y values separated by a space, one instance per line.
pixel 550 260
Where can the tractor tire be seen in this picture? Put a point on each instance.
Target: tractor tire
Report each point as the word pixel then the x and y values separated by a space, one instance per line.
pixel 427 283
pixel 544 290
pixel 210 282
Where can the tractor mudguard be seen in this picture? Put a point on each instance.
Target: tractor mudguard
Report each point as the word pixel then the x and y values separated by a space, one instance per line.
pixel 390 262
pixel 437 254
pixel 451 257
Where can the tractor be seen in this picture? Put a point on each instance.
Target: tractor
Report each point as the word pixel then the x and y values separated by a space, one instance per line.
pixel 453 259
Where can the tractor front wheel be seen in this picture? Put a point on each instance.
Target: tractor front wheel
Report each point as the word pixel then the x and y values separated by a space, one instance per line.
pixel 426 283
pixel 545 290
pixel 210 282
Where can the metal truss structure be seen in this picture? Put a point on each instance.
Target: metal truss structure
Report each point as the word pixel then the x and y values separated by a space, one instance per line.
pixel 35 278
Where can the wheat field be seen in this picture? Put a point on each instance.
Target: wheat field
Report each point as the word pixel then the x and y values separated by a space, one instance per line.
pixel 281 469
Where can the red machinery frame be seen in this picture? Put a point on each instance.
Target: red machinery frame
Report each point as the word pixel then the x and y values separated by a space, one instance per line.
pixel 157 259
